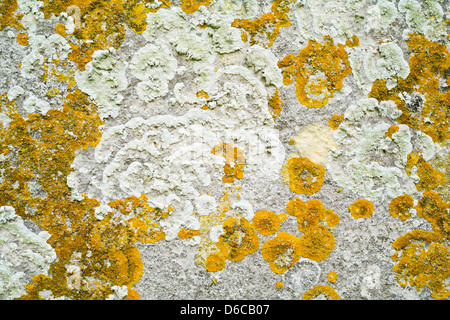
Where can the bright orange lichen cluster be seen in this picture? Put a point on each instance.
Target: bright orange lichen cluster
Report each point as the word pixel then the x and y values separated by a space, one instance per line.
pixel 188 233
pixel 429 177
pixel 362 208
pixel 234 161
pixel 99 24
pixel 400 207
pixel 427 110
pixel 101 250
pixel 190 6
pixel 305 176
pixel 238 240
pixel 391 130
pixel 321 290
pixel 282 252
pixel 318 70
pixel 7 17
pixel 424 260
pixel 310 214
pixel 275 104
pixel 266 222
pixel 267 26
pixel 317 243
pixel 335 121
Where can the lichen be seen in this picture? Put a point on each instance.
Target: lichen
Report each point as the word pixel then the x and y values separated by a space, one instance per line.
pixel 361 208
pixel 305 177
pixel 321 290
pixel 282 252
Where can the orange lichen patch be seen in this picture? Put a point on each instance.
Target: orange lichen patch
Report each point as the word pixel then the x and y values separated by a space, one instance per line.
pixel 275 104
pixel 332 218
pixel 267 26
pixel 190 6
pixel 99 24
pixel 317 243
pixel 266 222
pixel 61 29
pixel 417 235
pixel 311 216
pixel 239 239
pixel 427 109
pixel 279 285
pixel 430 178
pixel 282 252
pixel 318 70
pixel 202 94
pixel 215 262
pixel 296 207
pixel 234 161
pixel 321 290
pixel 361 209
pixel 305 176
pixel 7 18
pixel 332 276
pixel 335 121
pixel 433 209
pixel 188 233
pixel 392 129
pixel 102 250
pixel 425 267
pixel 22 39
pixel 400 207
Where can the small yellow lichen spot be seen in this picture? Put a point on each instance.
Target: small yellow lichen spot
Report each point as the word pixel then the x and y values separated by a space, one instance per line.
pixel 279 285
pixel 190 6
pixel 187 233
pixel 332 276
pixel 335 121
pixel 266 222
pixel 401 206
pixel 61 29
pixel 361 209
pixel 215 262
pixel 305 176
pixel 22 39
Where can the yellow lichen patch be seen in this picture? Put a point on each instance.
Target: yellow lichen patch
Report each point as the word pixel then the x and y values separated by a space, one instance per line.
pixel 282 252
pixel 400 207
pixel 332 276
pixel 361 209
pixel 423 267
pixel 22 39
pixel 266 222
pixel 335 121
pixel 190 6
pixel 188 233
pixel 426 108
pixel 7 18
pixel 332 218
pixel 433 209
pixel 392 129
pixel 267 26
pixel 275 104
pixel 215 262
pixel 318 70
pixel 311 216
pixel 234 161
pixel 94 252
pixel 430 178
pixel 239 239
pixel 279 285
pixel 317 243
pixel 305 176
pixel 99 24
pixel 321 290
pixel 61 29
pixel 296 207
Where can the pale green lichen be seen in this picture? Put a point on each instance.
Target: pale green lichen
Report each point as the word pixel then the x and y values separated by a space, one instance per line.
pixel 103 79
pixel 23 253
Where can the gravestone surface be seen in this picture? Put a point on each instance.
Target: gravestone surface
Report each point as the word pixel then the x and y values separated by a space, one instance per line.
pixel 224 149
